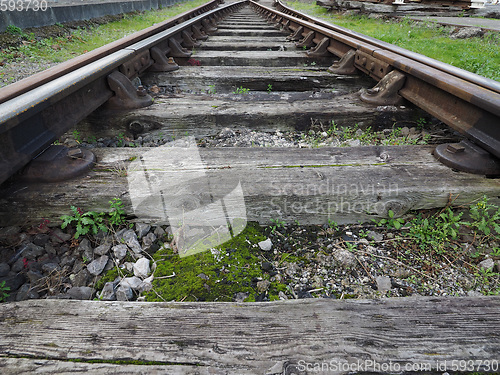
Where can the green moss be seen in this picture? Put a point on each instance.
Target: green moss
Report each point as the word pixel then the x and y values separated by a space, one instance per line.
pixel 111 275
pixel 215 275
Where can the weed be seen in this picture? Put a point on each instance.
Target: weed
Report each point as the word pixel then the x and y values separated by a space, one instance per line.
pixel 485 217
pixel 496 252
pixel 92 139
pixel 117 213
pixel 4 291
pixel 277 223
pixel 91 221
pixel 332 224
pixel 14 30
pixel 120 139
pixel 211 90
pixel 76 136
pixel 85 222
pixel 421 123
pixel 436 231
pixel 391 222
pixel 241 90
pixel 269 88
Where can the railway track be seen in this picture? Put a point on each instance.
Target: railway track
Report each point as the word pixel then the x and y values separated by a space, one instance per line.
pixel 244 85
pixel 278 57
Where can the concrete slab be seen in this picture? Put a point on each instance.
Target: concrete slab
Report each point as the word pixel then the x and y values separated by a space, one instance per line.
pixel 484 23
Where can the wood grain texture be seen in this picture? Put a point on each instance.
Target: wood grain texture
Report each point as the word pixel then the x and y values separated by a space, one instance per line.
pixel 310 185
pixel 206 115
pixel 251 338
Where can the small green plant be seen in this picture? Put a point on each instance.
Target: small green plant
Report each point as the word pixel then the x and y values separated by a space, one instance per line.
pixel 391 222
pixel 117 213
pixel 84 222
pixel 92 139
pixel 120 139
pixel 211 90
pixel 435 232
pixel 485 216
pixel 76 136
pixel 4 291
pixel 496 252
pixel 14 30
pixel 332 224
pixel 277 223
pixel 269 88
pixel 91 221
pixel 421 123
pixel 241 90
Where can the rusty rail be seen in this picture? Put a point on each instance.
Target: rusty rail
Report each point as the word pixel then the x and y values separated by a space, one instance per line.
pixel 464 101
pixel 38 110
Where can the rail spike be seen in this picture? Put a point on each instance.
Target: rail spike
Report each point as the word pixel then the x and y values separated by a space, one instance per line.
pixel 321 49
pixel 161 62
pixel 307 42
pixel 345 65
pixel 127 96
pixel 386 90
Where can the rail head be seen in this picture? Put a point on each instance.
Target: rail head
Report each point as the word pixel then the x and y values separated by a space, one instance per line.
pixel 37 111
pixel 464 101
pixel 465 75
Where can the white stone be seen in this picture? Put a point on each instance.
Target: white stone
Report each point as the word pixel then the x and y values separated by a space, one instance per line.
pixel 141 268
pixel 266 245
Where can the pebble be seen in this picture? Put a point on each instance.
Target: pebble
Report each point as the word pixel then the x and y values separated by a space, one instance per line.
pixel 142 229
pixel 26 292
pixel 263 286
pixel 148 240
pixel 102 249
pixel 32 251
pixel 97 266
pixel 80 292
pixel 134 282
pixel 4 269
pixel 108 292
pixel 85 250
pixel 266 245
pixel 124 293
pixel 375 236
pixel 241 296
pixel 383 283
pixel 120 251
pixel 130 239
pixel 344 257
pixel 141 268
pixel 487 264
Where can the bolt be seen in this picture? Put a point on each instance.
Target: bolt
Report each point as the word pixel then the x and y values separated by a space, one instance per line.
pixel 455 148
pixel 141 91
pixel 75 153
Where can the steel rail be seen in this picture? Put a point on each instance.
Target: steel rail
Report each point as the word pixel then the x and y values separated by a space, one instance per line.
pixel 33 119
pixel 466 102
pixel 460 73
pixel 38 79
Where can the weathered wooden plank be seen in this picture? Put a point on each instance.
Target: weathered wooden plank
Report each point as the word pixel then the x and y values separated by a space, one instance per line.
pixel 205 115
pixel 309 185
pixel 207 79
pixel 410 334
